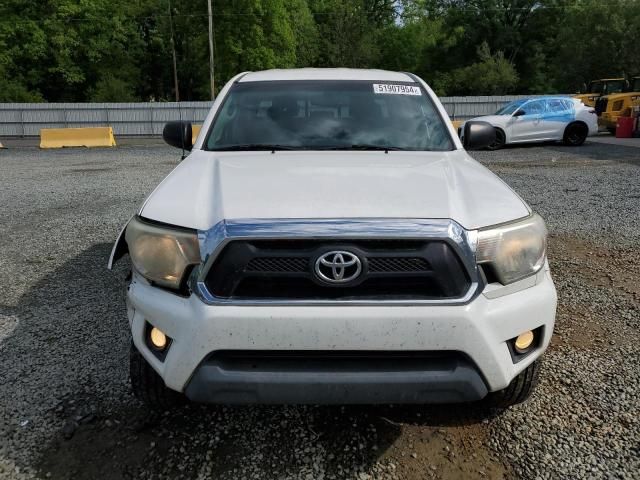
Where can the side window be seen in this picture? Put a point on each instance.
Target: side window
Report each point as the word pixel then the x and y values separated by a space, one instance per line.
pixel 568 105
pixel 534 108
pixel 556 105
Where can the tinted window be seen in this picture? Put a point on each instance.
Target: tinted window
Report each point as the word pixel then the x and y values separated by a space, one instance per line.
pixel 615 86
pixel 595 87
pixel 328 115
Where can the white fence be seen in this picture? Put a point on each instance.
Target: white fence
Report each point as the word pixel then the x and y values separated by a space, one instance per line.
pixel 26 119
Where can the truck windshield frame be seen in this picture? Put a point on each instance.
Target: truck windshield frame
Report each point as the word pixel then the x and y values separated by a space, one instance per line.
pixel 328 115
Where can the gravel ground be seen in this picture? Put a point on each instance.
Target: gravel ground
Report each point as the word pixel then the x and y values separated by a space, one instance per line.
pixel 66 410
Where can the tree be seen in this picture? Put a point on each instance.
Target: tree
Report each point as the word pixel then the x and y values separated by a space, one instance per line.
pixel 598 40
pixel 80 50
pixel 347 29
pixel 492 74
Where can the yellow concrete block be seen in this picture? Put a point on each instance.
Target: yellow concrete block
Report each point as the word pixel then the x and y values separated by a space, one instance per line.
pixel 456 124
pixel 195 130
pixel 77 137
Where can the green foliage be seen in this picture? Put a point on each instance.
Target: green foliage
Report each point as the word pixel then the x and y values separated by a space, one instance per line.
pixel 347 34
pixel 118 50
pixel 602 42
pixel 112 89
pixel 492 74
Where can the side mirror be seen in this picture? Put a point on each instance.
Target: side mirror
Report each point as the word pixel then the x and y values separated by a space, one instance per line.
pixel 178 134
pixel 478 135
pixel 519 113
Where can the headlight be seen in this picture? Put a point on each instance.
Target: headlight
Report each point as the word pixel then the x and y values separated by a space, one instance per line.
pixel 514 250
pixel 161 254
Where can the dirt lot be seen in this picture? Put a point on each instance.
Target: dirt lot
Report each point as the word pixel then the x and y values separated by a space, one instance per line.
pixel 66 410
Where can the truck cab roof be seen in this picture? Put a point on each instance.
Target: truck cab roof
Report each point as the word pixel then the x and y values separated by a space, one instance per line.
pixel 326 74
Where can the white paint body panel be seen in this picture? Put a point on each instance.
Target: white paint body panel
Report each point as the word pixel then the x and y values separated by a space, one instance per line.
pixel 479 329
pixel 208 187
pixel 326 74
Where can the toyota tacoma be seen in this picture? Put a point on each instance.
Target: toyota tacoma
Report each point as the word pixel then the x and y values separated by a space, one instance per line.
pixel 328 240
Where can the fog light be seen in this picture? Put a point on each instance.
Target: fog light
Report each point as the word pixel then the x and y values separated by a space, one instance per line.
pixel 524 341
pixel 158 339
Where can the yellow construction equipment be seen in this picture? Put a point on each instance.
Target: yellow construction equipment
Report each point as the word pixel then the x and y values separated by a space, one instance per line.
pixel 77 137
pixel 611 107
pixel 195 130
pixel 603 86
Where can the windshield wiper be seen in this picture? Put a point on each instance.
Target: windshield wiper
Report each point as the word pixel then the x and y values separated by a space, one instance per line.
pixel 366 146
pixel 253 146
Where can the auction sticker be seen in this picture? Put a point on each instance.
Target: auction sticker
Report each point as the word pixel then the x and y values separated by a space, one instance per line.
pixel 396 89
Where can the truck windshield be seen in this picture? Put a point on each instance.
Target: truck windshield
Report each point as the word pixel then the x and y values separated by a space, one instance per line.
pixel 613 86
pixel 328 115
pixel 595 87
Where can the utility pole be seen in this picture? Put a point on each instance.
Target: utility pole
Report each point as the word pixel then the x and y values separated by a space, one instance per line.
pixel 213 92
pixel 173 52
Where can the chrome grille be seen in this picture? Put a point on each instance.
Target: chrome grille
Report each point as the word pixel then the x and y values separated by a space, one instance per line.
pixel 287 269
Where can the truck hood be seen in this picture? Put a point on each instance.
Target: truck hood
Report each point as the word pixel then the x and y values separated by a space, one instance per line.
pixel 208 187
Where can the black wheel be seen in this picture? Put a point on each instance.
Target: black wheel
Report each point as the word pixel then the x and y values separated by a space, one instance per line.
pixel 575 134
pixel 501 139
pixel 148 386
pixel 612 130
pixel 518 390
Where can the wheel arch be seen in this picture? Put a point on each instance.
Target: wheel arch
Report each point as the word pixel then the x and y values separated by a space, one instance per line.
pixel 505 132
pixel 577 122
pixel 579 141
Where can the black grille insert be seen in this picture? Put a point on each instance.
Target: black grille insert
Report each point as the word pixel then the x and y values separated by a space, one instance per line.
pixel 335 360
pixel 398 264
pixel 391 270
pixel 277 264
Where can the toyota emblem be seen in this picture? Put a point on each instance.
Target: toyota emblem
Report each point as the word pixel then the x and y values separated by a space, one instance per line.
pixel 338 266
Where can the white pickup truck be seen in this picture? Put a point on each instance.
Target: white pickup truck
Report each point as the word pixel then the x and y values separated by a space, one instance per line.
pixel 329 240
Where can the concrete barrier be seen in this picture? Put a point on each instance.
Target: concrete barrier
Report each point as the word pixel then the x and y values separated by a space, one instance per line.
pixel 456 124
pixel 77 137
pixel 195 130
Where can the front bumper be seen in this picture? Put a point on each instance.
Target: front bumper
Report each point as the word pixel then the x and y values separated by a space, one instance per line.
pixel 478 331
pixel 326 378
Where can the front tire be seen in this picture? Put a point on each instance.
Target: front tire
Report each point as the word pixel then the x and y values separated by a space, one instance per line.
pixel 575 134
pixel 501 140
pixel 519 390
pixel 148 386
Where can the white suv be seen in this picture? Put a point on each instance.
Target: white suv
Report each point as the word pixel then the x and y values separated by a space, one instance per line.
pixel 329 240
